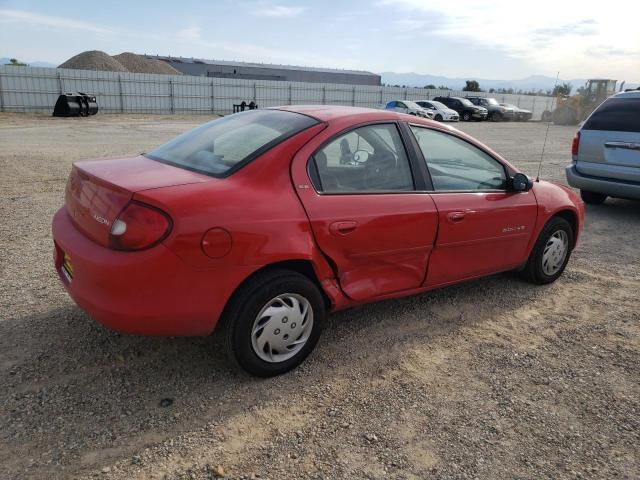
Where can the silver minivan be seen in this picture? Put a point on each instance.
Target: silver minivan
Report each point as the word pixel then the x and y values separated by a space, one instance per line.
pixel 606 151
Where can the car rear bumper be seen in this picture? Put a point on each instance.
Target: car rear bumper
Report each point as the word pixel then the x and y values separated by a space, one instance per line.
pixel 148 292
pixel 608 186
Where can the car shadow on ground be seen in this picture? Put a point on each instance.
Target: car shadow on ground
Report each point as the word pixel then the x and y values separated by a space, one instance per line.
pixel 616 208
pixel 83 388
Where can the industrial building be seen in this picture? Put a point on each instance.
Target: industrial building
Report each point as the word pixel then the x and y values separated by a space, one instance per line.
pixel 265 71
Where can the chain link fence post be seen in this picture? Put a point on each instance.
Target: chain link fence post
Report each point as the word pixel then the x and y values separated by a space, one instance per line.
pixel 171 95
pixel 120 93
pixel 1 94
pixel 213 98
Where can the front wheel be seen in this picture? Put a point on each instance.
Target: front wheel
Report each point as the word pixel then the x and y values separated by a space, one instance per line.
pixel 496 117
pixel 551 252
pixel 438 118
pixel 466 116
pixel 273 322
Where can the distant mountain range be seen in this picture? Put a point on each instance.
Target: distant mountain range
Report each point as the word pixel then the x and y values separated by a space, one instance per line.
pixel 533 82
pixel 5 60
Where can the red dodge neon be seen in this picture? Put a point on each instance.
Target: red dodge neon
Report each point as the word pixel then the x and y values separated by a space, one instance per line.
pixel 263 221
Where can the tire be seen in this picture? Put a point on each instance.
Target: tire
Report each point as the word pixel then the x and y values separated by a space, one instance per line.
pixel 547 116
pixel 438 118
pixel 466 116
pixel 536 270
pixel 497 117
pixel 592 198
pixel 277 289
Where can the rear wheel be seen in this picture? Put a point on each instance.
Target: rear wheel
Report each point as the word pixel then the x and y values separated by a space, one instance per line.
pixel 592 198
pixel 273 322
pixel 551 252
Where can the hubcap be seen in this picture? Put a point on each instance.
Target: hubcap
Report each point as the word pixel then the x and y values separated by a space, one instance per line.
pixel 282 327
pixel 555 251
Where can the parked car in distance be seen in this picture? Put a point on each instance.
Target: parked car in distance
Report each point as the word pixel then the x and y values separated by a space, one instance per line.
pixel 606 151
pixel 497 112
pixel 412 108
pixel 441 112
pixel 254 223
pixel 521 115
pixel 467 110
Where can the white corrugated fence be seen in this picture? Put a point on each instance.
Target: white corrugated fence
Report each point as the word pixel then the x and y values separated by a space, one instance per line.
pixel 34 89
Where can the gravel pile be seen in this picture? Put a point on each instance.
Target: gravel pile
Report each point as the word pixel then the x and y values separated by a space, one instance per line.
pixel 94 60
pixel 125 62
pixel 140 64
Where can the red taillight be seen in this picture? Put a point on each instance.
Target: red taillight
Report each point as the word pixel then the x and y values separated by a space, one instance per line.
pixel 575 144
pixel 139 226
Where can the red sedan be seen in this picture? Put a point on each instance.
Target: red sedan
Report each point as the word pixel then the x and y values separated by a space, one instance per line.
pixel 263 221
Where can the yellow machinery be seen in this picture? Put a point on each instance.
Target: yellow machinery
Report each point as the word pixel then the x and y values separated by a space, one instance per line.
pixel 571 110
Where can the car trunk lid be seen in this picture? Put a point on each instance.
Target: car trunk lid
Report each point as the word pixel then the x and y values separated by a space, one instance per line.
pixel 97 191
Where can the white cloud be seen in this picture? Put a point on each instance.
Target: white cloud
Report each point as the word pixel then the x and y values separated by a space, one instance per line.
pixel 35 19
pixel 189 33
pixel 280 11
pixel 547 35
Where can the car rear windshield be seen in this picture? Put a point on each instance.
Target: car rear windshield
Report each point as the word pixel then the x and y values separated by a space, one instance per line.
pixel 222 146
pixel 616 114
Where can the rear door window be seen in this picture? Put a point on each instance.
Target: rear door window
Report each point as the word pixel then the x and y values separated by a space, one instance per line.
pixel 368 159
pixel 616 114
pixel 222 146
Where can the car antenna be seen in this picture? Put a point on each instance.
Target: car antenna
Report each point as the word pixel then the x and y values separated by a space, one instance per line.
pixel 546 133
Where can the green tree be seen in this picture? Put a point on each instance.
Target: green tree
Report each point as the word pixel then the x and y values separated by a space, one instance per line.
pixel 443 87
pixel 14 62
pixel 471 86
pixel 431 86
pixel 564 89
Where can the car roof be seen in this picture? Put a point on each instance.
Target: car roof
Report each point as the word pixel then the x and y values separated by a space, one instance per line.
pixel 332 113
pixel 631 94
pixel 327 113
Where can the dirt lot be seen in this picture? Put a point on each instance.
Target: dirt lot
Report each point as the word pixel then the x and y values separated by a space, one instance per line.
pixel 494 378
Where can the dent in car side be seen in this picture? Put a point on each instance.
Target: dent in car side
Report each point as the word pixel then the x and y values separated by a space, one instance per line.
pixel 264 219
pixel 262 208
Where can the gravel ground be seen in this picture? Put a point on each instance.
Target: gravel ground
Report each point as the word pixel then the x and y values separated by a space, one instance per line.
pixel 493 378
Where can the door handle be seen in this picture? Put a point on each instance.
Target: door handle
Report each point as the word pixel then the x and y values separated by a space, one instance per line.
pixel 343 228
pixel 455 217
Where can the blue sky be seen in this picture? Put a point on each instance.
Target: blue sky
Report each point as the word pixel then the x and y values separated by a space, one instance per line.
pixel 473 38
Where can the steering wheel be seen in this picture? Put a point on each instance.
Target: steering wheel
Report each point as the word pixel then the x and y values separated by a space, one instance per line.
pixel 380 167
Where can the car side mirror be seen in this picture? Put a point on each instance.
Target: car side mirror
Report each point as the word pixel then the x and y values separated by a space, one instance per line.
pixel 521 183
